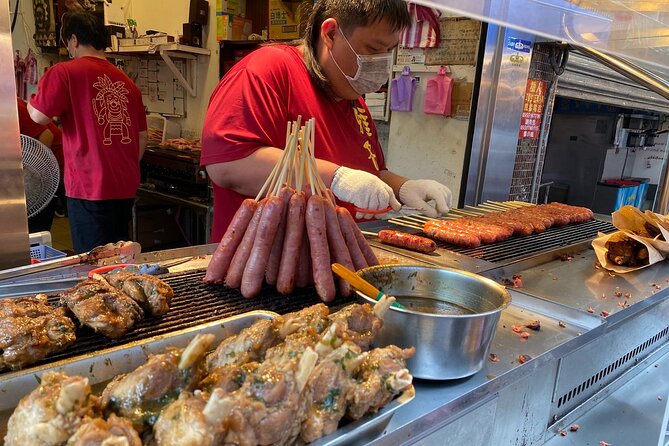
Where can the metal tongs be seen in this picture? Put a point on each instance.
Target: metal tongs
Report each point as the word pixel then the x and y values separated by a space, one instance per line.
pixel 126 251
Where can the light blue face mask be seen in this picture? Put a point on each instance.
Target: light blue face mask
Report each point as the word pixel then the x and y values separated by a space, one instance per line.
pixel 373 70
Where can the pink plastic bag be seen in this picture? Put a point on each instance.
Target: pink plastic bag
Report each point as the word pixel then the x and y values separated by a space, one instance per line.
pixel 438 94
pixel 402 89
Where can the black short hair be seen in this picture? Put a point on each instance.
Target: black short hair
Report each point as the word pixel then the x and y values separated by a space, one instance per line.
pixel 88 27
pixel 350 14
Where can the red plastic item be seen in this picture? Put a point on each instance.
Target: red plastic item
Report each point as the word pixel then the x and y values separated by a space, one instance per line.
pixel 106 268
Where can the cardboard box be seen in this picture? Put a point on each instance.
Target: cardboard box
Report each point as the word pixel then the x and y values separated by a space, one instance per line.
pixel 162 39
pixel 286 17
pixel 234 7
pixel 232 27
pixel 129 41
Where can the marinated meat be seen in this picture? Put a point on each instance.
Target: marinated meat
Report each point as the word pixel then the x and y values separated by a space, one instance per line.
pixel 269 407
pixel 328 390
pixel 141 394
pixel 314 317
pixel 194 419
pixel 358 324
pixel 249 345
pixel 51 413
pixel 228 378
pixel 102 307
pixel 151 293
pixel 31 329
pixel 98 432
pixel 382 376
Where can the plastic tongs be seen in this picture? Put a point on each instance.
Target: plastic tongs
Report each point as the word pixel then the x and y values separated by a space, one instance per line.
pixel 126 251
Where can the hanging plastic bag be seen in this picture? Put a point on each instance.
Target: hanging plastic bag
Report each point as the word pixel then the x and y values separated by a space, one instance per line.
pixel 402 89
pixel 424 31
pixel 438 94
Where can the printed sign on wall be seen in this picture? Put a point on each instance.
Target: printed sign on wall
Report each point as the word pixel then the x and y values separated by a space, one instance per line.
pixel 533 109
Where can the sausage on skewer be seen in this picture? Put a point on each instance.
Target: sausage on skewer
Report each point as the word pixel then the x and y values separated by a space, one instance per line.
pixel 274 260
pixel 233 278
pixel 320 251
pixel 220 260
pixel 407 241
pixel 292 244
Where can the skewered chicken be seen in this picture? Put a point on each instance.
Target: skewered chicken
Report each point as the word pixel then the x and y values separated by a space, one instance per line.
pixel 50 414
pixel 249 345
pixel 328 390
pixel 314 317
pixel 382 376
pixel 194 419
pixel 102 307
pixel 141 394
pixel 228 378
pixel 115 431
pixel 151 293
pixel 360 323
pixel 31 329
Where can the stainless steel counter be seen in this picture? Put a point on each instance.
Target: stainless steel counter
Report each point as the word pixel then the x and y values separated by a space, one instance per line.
pixel 574 362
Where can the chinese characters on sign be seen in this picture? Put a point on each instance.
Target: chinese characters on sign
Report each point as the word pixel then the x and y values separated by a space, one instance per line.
pixel 533 109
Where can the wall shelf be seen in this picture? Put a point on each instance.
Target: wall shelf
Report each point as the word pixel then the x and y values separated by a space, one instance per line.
pixel 168 51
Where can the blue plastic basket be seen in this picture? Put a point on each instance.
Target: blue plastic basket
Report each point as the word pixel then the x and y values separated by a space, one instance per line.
pixel 44 252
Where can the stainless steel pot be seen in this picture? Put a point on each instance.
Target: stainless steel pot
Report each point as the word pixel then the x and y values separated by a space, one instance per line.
pixel 456 321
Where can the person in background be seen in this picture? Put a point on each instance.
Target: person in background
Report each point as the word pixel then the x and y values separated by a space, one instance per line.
pixel 346 52
pixel 104 132
pixel 49 135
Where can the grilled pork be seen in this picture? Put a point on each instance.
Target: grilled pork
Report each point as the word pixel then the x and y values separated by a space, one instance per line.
pixel 31 329
pixel 98 432
pixel 102 307
pixel 151 293
pixel 52 413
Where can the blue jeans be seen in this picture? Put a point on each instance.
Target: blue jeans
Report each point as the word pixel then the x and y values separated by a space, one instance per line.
pixel 95 223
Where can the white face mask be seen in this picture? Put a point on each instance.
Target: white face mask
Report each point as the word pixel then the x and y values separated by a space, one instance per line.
pixel 373 70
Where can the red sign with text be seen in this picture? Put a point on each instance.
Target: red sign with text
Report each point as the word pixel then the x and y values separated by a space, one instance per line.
pixel 533 109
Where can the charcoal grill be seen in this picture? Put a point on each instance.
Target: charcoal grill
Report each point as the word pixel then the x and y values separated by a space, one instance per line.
pixel 194 303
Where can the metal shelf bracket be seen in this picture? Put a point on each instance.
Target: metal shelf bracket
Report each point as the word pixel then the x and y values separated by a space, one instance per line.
pixel 191 62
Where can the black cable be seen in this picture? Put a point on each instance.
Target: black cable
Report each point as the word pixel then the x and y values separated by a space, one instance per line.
pixel 16 9
pixel 558 56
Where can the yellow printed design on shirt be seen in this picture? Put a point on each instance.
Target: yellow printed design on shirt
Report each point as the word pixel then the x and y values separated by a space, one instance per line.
pixel 363 121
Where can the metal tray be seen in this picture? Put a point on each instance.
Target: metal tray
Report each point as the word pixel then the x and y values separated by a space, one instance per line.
pixel 104 365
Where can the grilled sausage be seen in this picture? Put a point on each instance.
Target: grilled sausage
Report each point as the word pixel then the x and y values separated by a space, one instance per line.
pixel 337 244
pixel 233 278
pixel 408 241
pixel 450 235
pixel 292 244
pixel 357 257
pixel 220 260
pixel 274 260
pixel 254 271
pixel 320 251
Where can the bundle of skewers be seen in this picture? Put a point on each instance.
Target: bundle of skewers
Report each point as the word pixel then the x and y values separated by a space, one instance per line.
pixel 289 235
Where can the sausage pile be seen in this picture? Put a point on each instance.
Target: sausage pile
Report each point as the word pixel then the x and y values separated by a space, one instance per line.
pixel 290 238
pixel 471 232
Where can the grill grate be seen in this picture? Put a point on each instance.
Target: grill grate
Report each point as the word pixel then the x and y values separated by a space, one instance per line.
pixel 521 247
pixel 514 248
pixel 194 303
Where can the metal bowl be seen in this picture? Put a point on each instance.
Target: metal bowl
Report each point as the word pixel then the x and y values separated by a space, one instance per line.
pixel 451 317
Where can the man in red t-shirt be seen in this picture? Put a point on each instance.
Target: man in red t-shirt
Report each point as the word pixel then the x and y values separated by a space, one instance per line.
pixel 345 53
pixel 104 133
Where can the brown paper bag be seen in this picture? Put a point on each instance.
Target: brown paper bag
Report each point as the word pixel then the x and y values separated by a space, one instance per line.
pixel 601 250
pixel 651 227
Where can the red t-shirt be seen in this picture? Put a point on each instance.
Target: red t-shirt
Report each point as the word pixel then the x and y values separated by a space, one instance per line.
pixel 30 128
pixel 252 105
pixel 102 113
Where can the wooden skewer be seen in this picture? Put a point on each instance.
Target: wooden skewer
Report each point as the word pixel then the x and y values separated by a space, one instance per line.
pixel 373 234
pixel 403 223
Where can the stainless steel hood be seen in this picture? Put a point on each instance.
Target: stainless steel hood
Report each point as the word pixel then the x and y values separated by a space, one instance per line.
pixel 633 29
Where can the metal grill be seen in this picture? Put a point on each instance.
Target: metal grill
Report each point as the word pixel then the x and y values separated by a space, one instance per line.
pixel 517 248
pixel 194 303
pixel 514 248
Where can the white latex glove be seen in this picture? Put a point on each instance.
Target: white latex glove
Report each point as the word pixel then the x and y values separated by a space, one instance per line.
pixel 363 190
pixel 420 193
